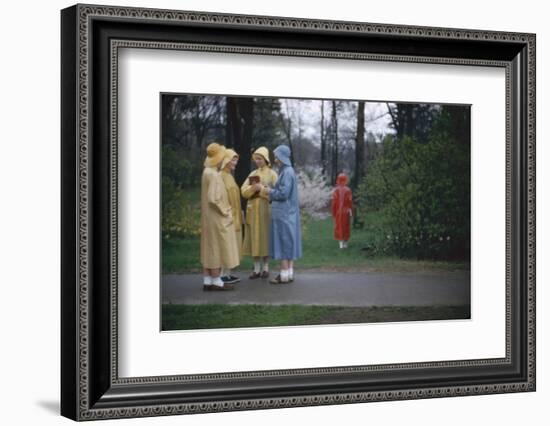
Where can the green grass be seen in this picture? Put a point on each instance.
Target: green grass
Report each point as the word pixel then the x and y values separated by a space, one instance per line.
pixel 320 251
pixel 208 316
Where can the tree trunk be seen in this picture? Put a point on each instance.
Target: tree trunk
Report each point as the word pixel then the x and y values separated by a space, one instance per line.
pixel 334 144
pixel 244 149
pixel 323 140
pixel 232 129
pixel 359 145
pixel 287 127
pixel 238 135
pixel 290 142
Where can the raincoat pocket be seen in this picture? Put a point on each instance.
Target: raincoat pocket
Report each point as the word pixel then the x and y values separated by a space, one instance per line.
pixel 249 212
pixel 226 224
pixel 281 209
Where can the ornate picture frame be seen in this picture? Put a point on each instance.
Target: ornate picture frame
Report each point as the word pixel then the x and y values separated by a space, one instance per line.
pixel 91 386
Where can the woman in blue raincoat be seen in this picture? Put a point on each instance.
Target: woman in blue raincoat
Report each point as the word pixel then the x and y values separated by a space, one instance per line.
pixel 285 242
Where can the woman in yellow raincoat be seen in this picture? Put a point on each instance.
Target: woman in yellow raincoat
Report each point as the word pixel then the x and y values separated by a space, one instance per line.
pixel 234 195
pixel 258 213
pixel 218 244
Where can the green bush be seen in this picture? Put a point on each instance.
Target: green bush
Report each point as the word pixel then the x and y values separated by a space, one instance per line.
pixel 180 168
pixel 180 191
pixel 180 211
pixel 422 192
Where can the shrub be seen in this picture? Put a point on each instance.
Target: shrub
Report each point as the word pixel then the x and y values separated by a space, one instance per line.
pixel 180 215
pixel 422 191
pixel 183 170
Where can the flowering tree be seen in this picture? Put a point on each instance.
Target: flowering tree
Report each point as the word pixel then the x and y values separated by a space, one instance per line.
pixel 314 193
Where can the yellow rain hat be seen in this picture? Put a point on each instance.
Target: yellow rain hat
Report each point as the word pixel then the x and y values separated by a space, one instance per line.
pixel 229 155
pixel 263 151
pixel 214 154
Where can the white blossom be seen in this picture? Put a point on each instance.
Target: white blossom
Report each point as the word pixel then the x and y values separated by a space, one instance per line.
pixel 314 193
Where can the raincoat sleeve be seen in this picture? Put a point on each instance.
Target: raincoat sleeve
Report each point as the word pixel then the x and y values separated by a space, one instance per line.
pixel 281 190
pixel 274 177
pixel 271 183
pixel 215 197
pixel 247 190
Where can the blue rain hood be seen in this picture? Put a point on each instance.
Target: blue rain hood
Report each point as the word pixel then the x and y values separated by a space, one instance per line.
pixel 282 152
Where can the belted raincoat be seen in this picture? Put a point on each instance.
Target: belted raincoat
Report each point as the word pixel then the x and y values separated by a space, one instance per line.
pixel 342 203
pixel 218 243
pixel 285 231
pixel 234 198
pixel 258 212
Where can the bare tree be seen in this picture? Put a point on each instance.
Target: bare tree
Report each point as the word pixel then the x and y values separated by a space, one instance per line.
pixel 287 128
pixel 239 129
pixel 334 125
pixel 206 111
pixel 359 145
pixel 323 141
pixel 412 120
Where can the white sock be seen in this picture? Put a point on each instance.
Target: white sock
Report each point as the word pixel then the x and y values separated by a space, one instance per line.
pixel 345 244
pixel 207 280
pixel 265 267
pixel 341 244
pixel 290 273
pixel 284 275
pixel 217 281
pixel 257 267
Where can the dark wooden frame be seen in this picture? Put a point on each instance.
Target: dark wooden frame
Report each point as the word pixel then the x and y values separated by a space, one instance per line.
pixel 90 386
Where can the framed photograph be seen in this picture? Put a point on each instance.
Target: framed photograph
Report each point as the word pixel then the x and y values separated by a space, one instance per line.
pixel 263 212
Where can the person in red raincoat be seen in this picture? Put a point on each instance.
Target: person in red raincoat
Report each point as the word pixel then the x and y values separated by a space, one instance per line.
pixel 341 208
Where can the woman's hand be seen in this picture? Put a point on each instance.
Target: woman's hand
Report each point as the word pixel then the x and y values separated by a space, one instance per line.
pixel 258 187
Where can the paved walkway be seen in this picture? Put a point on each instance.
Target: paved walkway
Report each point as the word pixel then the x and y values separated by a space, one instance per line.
pixel 329 288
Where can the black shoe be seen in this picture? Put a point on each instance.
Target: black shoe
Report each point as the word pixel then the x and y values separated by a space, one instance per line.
pixel 264 274
pixel 230 279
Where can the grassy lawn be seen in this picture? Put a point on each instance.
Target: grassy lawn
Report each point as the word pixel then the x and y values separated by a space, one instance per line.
pixel 320 250
pixel 207 316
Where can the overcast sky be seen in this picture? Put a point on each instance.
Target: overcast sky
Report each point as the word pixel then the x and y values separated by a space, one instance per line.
pixel 377 119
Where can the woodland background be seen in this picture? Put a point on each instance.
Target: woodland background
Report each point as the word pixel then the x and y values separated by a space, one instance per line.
pixel 408 164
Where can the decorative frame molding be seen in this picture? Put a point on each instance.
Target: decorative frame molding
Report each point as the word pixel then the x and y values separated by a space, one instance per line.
pixel 91 388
